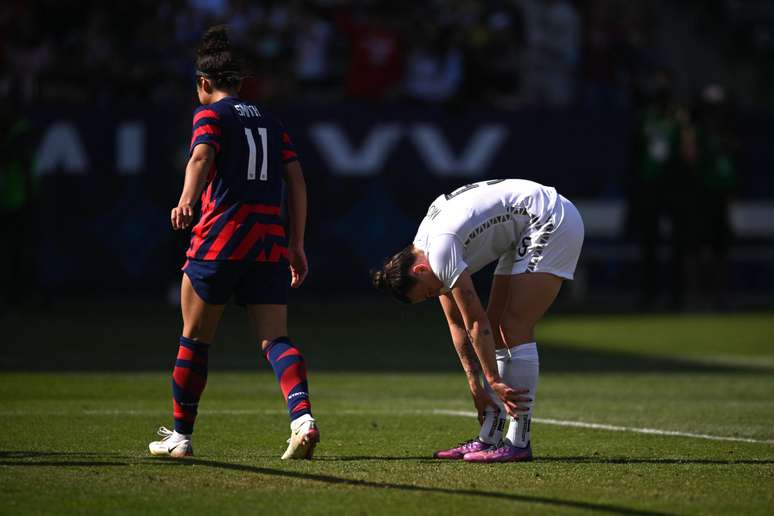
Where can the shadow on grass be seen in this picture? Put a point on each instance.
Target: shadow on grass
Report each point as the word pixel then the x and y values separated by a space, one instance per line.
pixel 330 479
pixel 348 356
pixel 416 338
pixel 67 463
pixel 28 454
pixel 16 458
pixel 628 460
pixel 355 458
pixel 556 358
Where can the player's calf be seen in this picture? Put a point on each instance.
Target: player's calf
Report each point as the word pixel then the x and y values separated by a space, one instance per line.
pixel 290 368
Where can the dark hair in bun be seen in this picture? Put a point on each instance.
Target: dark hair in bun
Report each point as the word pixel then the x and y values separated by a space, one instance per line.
pixel 218 59
pixel 394 277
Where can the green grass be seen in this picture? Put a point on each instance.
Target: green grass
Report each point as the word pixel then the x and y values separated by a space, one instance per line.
pixel 73 437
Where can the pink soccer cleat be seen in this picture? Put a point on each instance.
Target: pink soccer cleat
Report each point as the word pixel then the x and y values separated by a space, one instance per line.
pixel 504 453
pixel 472 446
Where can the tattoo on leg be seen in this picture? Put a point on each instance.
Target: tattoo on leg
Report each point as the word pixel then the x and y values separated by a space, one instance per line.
pixel 468 293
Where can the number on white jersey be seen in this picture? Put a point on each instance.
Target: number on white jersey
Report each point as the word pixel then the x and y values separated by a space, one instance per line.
pixel 463 189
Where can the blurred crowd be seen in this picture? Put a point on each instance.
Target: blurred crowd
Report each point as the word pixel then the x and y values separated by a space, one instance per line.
pixel 508 53
pixel 684 177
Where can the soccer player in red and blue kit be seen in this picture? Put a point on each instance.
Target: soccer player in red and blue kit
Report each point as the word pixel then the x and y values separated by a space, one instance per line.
pixel 239 157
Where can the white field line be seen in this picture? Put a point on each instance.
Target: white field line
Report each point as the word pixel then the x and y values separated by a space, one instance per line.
pixel 440 412
pixel 614 428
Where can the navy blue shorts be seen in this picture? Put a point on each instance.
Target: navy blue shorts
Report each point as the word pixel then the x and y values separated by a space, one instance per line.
pixel 251 283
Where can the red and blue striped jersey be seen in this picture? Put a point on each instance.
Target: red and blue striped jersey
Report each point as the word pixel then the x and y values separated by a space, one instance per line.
pixel 240 204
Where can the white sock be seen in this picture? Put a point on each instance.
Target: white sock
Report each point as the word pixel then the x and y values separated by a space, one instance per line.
pixel 300 420
pixel 521 371
pixel 494 420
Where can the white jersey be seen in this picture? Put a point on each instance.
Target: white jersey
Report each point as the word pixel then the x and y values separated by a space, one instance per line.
pixel 478 223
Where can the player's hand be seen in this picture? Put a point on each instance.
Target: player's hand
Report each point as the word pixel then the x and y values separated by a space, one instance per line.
pixel 182 216
pixel 481 400
pixel 299 267
pixel 513 399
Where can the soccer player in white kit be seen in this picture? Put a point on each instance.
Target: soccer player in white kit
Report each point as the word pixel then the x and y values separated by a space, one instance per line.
pixel 535 235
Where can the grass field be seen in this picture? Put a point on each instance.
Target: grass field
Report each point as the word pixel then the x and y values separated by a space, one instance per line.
pixel 83 388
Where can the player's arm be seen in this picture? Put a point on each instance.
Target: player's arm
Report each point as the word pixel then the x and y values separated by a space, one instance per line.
pixel 459 336
pixel 294 179
pixel 467 354
pixel 200 163
pixel 480 331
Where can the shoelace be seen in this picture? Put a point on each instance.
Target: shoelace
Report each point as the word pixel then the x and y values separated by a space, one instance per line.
pixel 467 444
pixel 164 432
pixel 497 449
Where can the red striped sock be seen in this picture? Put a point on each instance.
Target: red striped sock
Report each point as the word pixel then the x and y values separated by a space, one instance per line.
pixel 188 381
pixel 290 369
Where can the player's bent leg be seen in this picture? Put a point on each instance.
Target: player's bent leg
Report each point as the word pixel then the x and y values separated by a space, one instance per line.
pixel 498 299
pixel 269 323
pixel 491 431
pixel 530 296
pixel 189 377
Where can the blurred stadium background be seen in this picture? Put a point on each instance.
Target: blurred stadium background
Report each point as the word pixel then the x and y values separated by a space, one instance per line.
pixel 653 116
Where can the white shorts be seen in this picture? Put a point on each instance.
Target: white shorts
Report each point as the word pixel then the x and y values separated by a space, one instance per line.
pixel 552 245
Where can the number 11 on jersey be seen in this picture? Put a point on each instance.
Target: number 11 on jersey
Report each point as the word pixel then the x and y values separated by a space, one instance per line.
pixel 251 158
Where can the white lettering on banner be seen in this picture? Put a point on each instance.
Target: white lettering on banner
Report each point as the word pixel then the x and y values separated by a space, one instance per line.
pixel 344 159
pixel 61 149
pixel 130 148
pixel 368 160
pixel 473 161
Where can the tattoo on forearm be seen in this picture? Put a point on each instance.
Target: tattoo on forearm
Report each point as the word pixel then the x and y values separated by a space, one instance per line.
pixel 467 352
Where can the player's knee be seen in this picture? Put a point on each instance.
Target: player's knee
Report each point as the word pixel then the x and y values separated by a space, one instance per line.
pixel 517 330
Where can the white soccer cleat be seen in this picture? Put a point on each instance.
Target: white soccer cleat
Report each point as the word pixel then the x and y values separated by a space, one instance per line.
pixel 172 445
pixel 304 436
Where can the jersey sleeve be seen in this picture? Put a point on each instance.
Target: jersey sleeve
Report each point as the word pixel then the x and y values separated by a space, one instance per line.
pixel 287 148
pixel 445 257
pixel 206 129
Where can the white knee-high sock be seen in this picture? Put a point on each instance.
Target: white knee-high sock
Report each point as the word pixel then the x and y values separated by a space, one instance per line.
pixel 522 368
pixel 494 420
pixel 494 417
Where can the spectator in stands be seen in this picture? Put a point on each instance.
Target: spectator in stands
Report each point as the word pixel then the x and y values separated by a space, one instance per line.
pixel 662 185
pixel 313 42
pixel 603 51
pixel 553 37
pixel 493 54
pixel 16 194
pixel 376 53
pixel 29 54
pixel 434 66
pixel 717 147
